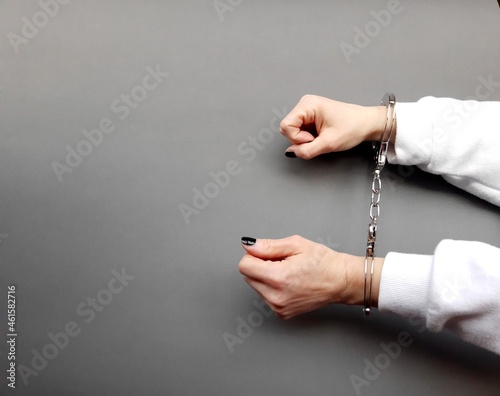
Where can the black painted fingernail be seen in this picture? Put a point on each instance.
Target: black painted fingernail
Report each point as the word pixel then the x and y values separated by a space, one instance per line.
pixel 290 154
pixel 248 241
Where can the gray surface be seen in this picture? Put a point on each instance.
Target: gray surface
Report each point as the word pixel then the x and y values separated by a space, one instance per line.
pixel 119 208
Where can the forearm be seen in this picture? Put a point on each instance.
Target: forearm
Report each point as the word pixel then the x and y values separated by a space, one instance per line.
pixel 456 139
pixel 456 288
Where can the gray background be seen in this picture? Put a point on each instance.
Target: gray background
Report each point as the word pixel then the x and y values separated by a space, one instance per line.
pixel 120 207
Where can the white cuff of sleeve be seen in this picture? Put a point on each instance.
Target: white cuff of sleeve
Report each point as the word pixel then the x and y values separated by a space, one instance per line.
pixel 414 136
pixel 404 284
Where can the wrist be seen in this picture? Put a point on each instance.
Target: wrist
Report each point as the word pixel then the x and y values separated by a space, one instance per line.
pixel 376 117
pixel 355 279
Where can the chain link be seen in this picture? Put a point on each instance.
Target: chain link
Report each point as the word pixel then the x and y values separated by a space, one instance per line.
pixel 376 192
pixel 380 158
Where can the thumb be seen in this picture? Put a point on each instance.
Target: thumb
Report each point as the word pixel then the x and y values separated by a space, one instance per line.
pixel 272 249
pixel 310 150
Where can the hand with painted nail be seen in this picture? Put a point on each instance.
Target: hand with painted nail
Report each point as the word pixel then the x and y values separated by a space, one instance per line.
pixel 295 275
pixel 338 126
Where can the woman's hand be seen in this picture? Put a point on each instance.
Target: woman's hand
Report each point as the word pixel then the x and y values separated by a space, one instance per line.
pixel 294 275
pixel 339 126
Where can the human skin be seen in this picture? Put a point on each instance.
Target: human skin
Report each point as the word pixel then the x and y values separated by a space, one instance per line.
pixel 295 275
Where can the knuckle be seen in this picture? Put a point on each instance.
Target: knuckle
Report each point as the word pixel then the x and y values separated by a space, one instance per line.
pixel 296 240
pixel 243 265
pixel 283 313
pixel 306 97
pixel 266 244
pixel 278 279
pixel 277 300
pixel 283 126
pixel 273 299
pixel 280 315
pixel 306 154
pixel 275 281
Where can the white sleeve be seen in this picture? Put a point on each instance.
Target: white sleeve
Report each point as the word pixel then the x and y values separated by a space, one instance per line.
pixel 458 289
pixel 459 140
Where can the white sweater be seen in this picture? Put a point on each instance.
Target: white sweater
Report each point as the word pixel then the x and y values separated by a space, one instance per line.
pixel 458 288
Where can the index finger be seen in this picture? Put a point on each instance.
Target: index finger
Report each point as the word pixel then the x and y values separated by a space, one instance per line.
pixel 258 269
pixel 292 126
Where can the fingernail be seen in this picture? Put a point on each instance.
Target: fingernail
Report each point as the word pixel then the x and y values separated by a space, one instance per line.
pixel 248 241
pixel 290 154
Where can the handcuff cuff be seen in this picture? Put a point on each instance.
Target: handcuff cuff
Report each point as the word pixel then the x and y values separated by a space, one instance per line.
pixel 381 147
